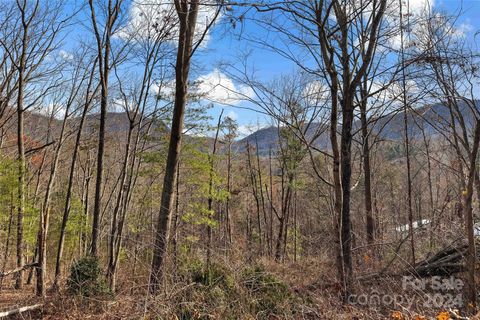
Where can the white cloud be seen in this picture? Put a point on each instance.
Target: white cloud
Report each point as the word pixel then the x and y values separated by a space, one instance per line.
pixel 219 88
pixel 232 115
pixel 418 7
pixel 65 55
pixel 413 13
pixel 462 30
pixel 215 87
pixel 150 19
pixel 410 8
pixel 316 92
pixel 54 110
pixel 247 129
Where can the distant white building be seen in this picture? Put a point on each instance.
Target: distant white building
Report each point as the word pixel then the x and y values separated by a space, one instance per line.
pixel 417 224
pixel 476 229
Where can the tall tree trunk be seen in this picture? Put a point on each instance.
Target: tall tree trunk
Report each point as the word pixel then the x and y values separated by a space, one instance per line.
pixel 103 54
pixel 295 226
pixel 407 138
pixel 175 220
pixel 228 228
pixel 7 242
pixel 265 239
pixel 346 173
pixel 337 187
pixel 116 211
pixel 254 184
pixel 21 153
pixel 471 259
pixel 45 214
pixel 370 223
pixel 187 14
pixel 210 191
pixel 430 188
pixel 86 203
pixel 271 207
pixel 68 197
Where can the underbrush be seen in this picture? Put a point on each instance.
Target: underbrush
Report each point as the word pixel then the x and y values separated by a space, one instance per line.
pixel 228 289
pixel 86 278
pixel 219 292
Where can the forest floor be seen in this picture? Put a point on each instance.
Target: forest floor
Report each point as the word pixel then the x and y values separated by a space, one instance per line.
pixel 293 290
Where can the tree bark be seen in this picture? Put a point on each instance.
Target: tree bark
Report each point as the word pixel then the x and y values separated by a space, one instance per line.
pixel 68 197
pixel 471 258
pixel 187 15
pixel 370 223
pixel 103 53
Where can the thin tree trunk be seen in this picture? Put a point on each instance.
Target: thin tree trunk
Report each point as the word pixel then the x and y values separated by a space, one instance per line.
pixel 295 226
pixel 430 188
pixel 111 270
pixel 471 259
pixel 45 214
pixel 210 192
pixel 68 197
pixel 407 140
pixel 346 173
pixel 187 21
pixel 103 53
pixel 21 157
pixel 228 227
pixel 7 242
pixel 262 200
pixel 175 220
pixel 370 223
pixel 271 209
pixel 86 205
pixel 253 181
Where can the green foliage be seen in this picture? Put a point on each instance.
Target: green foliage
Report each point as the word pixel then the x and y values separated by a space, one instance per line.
pixel 198 179
pixel 268 295
pixel 215 275
pixel 214 291
pixel 77 220
pixel 294 238
pixel 8 189
pixel 292 151
pixel 394 151
pixel 8 179
pixel 31 215
pixel 199 214
pixel 85 278
pixel 228 294
pixel 9 202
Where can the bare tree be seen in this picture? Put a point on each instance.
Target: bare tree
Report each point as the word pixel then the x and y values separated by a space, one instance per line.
pixel 90 93
pixel 37 38
pixel 104 46
pixel 454 70
pixel 187 22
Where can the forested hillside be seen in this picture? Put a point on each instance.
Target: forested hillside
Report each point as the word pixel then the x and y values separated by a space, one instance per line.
pixel 239 160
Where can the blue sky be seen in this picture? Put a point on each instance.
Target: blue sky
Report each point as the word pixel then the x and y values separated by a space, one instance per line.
pixel 225 45
pixel 269 65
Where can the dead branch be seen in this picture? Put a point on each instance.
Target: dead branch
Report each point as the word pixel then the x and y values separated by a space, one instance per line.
pixel 20 310
pixel 27 266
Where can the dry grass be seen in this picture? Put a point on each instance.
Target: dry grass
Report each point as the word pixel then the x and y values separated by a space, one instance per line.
pixel 311 286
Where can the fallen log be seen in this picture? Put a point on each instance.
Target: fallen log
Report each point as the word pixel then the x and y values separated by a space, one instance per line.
pixel 16 270
pixel 446 262
pixel 9 313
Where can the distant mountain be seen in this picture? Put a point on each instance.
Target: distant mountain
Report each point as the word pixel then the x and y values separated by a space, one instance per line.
pixel 39 128
pixel 389 127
